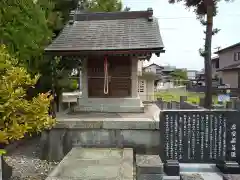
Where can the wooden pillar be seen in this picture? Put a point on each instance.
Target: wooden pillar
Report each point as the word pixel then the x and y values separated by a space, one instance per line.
pixel 134 76
pixel 84 76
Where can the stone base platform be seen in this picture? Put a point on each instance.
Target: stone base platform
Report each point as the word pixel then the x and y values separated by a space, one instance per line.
pixel 94 163
pixel 150 167
pixel 109 105
pixel 139 131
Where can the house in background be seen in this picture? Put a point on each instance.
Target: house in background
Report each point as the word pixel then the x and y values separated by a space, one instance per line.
pixel 154 68
pixel 229 65
pixel 166 71
pixel 191 74
pixel 163 78
pixel 163 72
pixel 215 67
pixel 146 86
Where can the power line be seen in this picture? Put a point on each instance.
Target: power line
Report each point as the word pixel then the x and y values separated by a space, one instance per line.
pixel 169 18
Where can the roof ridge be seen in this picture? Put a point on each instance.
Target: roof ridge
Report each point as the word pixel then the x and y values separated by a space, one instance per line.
pixel 88 16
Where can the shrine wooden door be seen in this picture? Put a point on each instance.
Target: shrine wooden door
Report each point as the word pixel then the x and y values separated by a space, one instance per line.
pixel 119 76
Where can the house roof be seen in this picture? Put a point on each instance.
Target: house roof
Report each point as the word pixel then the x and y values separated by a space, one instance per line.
pixel 109 32
pixel 149 75
pixel 215 58
pixel 202 72
pixel 227 48
pixel 230 67
pixel 169 68
pixel 153 64
pixel 192 71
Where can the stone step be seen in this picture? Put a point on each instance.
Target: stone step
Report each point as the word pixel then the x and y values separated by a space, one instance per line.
pixel 110 105
pixel 108 108
pixel 95 163
pixel 149 167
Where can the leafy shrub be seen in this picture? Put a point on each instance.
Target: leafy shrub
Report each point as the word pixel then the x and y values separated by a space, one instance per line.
pixel 18 115
pixel 74 84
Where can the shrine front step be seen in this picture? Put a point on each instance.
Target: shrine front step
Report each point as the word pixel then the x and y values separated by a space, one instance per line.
pixel 109 108
pixel 118 105
pixel 95 163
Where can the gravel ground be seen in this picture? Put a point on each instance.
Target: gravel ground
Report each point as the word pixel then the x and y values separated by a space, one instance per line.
pixel 26 164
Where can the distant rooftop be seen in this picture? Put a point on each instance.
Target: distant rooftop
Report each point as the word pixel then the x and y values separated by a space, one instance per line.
pixel 228 48
pixel 215 58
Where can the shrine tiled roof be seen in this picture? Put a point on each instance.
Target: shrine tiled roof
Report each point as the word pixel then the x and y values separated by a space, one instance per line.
pixel 112 31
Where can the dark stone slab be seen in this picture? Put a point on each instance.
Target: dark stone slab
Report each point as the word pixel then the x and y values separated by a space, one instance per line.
pixel 200 136
pixel 229 167
pixel 172 168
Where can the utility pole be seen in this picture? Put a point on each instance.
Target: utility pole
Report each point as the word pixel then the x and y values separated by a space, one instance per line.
pixel 207 58
pixel 218 48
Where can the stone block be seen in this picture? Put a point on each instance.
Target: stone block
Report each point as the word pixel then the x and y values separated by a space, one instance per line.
pixel 130 123
pixel 88 124
pixel 171 178
pixel 135 137
pixel 195 176
pixel 56 140
pixel 76 123
pixel 6 170
pixel 149 164
pixel 44 145
pixel 94 138
pixel 150 177
pixel 207 176
pixel 198 167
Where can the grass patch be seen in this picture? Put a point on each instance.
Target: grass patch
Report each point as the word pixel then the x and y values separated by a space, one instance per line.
pixel 193 97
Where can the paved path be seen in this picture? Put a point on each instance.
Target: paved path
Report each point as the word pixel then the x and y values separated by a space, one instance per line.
pixel 95 164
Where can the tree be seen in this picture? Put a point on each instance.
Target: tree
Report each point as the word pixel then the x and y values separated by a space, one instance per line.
pixel 24 29
pixel 205 10
pixel 65 65
pixel 27 27
pixel 105 5
pixel 179 75
pixel 19 115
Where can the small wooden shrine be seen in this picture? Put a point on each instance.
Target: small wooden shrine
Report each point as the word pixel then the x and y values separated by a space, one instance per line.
pixel 110 46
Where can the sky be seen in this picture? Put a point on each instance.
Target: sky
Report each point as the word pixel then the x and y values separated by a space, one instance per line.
pixel 183 34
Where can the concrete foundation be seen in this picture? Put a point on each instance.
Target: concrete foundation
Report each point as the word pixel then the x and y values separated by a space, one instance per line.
pixel 139 131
